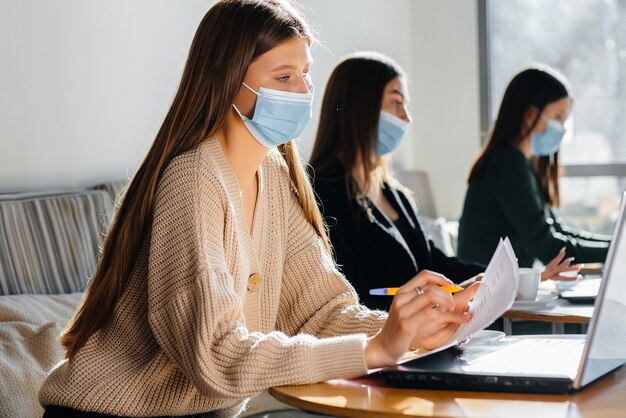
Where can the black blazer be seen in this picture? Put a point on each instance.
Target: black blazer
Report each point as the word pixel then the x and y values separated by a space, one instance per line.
pixel 369 249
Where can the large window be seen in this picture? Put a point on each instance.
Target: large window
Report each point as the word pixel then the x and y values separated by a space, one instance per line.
pixel 586 40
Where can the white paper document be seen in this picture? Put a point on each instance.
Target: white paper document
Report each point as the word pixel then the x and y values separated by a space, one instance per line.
pixel 494 297
pixel 496 293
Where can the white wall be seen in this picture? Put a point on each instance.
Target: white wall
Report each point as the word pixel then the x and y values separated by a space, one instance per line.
pixel 347 26
pixel 446 105
pixel 85 84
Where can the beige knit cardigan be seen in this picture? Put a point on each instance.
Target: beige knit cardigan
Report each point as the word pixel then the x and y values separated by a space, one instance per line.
pixel 187 335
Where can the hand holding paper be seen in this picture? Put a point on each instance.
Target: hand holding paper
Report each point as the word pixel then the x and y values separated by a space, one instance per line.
pixel 496 293
pixel 494 297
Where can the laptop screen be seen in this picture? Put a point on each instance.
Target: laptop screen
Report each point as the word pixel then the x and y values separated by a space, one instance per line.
pixel 606 348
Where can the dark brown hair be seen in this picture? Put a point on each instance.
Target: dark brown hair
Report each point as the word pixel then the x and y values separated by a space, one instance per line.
pixel 348 127
pixel 536 86
pixel 231 35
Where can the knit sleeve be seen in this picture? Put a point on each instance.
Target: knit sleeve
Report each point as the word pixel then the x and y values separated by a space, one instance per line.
pixel 196 315
pixel 316 298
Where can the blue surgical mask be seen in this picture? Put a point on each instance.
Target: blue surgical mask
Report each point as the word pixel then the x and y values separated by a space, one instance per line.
pixel 547 142
pixel 391 130
pixel 279 116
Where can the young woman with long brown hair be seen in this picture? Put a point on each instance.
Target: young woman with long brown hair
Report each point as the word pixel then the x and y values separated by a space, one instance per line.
pixel 514 184
pixel 216 280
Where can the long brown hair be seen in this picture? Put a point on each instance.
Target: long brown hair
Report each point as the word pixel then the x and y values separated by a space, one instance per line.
pixel 348 127
pixel 535 86
pixel 231 35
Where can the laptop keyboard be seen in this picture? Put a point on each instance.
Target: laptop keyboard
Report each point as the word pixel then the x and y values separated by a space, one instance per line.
pixel 535 356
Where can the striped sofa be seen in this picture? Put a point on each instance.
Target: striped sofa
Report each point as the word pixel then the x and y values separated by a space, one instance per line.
pixel 49 245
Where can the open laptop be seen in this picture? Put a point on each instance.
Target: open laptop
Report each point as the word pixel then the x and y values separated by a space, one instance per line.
pixel 541 364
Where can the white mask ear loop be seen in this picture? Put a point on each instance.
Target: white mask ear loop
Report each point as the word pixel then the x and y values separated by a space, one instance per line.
pixel 238 112
pixel 249 88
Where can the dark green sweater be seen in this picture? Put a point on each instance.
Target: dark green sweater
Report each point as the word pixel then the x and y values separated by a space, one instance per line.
pixel 507 201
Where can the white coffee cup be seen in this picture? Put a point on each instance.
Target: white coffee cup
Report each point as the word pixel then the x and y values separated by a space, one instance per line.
pixel 528 284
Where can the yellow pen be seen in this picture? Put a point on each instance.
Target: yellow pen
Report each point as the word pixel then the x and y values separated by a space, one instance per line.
pixel 390 291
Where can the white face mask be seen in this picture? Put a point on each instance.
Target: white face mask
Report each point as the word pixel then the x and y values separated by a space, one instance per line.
pixel 547 142
pixel 279 116
pixel 391 130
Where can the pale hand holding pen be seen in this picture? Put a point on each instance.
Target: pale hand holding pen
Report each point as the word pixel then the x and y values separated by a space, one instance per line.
pixel 413 322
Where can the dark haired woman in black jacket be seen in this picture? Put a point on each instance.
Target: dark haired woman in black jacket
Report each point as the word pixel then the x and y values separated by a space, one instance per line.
pixel 374 229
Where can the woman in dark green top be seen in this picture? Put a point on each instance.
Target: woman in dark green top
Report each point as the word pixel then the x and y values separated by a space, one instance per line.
pixel 513 185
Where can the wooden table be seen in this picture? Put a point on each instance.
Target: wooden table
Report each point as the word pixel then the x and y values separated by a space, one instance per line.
pixel 592 268
pixel 371 397
pixel 559 313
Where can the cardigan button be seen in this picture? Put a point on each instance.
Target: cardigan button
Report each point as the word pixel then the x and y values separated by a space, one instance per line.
pixel 254 282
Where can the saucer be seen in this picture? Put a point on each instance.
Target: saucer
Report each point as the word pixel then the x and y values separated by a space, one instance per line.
pixel 571 279
pixel 562 285
pixel 541 301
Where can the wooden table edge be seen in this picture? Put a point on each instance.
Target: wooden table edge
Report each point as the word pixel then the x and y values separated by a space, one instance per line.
pixel 546 317
pixel 338 411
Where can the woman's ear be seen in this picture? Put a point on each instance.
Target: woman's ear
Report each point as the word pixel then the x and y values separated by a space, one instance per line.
pixel 530 116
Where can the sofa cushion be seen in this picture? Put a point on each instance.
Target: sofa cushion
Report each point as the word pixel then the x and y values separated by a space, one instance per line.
pixel 49 243
pixel 28 353
pixel 30 326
